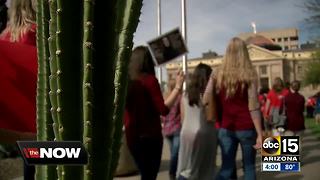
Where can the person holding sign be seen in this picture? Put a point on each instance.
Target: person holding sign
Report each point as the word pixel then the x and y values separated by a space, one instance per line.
pixel 144 106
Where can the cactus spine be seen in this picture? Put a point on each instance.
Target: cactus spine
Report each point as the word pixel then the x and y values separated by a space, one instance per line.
pixel 53 76
pixel 89 48
pixel 87 101
pixel 44 120
pixel 68 56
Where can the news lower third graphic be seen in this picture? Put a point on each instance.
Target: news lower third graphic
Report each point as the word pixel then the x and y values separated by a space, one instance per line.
pixel 53 152
pixel 281 153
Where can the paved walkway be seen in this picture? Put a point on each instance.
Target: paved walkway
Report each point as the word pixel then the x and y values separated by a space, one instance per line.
pixel 309 171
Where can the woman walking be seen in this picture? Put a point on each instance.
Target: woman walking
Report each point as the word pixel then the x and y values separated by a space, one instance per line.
pixel 275 107
pixel 144 106
pixel 235 84
pixel 198 135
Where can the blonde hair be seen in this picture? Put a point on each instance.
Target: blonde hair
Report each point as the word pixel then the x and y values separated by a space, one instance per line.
pixel 236 68
pixel 22 14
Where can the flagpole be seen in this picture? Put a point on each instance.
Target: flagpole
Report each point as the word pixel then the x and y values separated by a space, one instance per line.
pixel 159 33
pixel 184 35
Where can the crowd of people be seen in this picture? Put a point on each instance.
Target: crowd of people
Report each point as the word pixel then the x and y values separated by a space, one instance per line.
pixel 220 108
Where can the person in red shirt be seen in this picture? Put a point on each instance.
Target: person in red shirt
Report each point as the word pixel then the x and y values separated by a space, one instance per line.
pixel 18 41
pixel 144 106
pixel 294 105
pixel 274 109
pixel 235 82
pixel 263 92
pixel 21 27
pixel 310 105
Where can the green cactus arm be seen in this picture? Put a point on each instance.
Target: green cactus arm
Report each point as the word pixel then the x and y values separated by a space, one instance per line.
pixel 44 120
pixel 53 67
pixel 68 56
pixel 41 123
pixel 103 87
pixel 127 23
pixel 53 80
pixel 87 91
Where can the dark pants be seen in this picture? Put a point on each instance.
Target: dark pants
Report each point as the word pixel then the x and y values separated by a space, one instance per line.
pixel 147 155
pixel 229 141
pixel 174 142
pixel 29 172
pixel 310 111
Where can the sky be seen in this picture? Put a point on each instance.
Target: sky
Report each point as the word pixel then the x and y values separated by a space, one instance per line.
pixel 212 23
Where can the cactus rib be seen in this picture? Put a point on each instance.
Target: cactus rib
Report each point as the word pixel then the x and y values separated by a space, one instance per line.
pixel 68 55
pixel 126 25
pixel 87 89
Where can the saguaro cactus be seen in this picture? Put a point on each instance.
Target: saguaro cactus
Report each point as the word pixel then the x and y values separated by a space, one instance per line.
pixel 87 44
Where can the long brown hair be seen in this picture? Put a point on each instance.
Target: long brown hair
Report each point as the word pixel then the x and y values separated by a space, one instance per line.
pixel 236 68
pixel 198 83
pixel 140 63
pixel 22 14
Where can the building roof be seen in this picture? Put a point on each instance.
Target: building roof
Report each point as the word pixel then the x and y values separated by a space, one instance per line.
pixel 263 42
pixel 284 32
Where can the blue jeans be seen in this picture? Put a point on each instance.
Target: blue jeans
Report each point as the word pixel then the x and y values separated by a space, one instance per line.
pixel 174 142
pixel 229 142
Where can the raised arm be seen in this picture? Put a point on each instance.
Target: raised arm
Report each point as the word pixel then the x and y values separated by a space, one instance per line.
pixel 169 101
pixel 209 100
pixel 162 105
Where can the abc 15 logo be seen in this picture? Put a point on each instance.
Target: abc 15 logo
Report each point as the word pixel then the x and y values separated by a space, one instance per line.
pixel 280 145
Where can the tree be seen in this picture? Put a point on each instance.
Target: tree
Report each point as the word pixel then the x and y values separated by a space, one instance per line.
pixel 313 21
pixel 313 8
pixel 312 73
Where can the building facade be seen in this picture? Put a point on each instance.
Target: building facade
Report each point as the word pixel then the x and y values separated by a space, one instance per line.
pixel 287 39
pixel 286 64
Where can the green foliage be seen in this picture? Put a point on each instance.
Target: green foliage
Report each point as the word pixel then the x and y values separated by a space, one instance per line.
pixel 312 73
pixel 315 128
pixel 84 48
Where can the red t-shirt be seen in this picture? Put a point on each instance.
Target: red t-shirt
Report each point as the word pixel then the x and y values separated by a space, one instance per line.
pixel 18 79
pixel 144 106
pixel 235 114
pixel 262 101
pixel 28 38
pixel 275 99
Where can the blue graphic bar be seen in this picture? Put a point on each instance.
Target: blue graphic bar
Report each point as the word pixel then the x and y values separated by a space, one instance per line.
pixel 290 167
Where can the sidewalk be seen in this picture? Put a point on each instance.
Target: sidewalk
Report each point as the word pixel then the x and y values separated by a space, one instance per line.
pixel 309 170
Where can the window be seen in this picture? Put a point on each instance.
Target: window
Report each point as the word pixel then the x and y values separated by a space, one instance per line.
pixel 263 70
pixel 273 39
pixel 294 38
pixel 264 82
pixel 279 39
pixel 285 39
pixel 299 69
